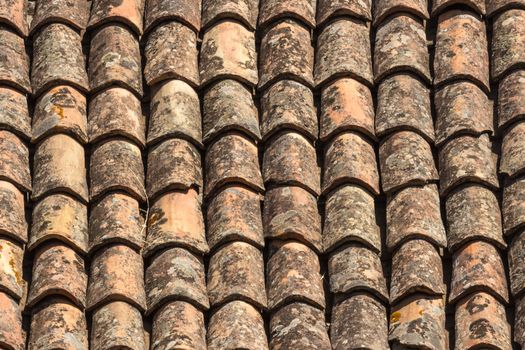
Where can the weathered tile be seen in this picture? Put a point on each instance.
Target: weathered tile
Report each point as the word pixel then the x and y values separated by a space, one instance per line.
pixel 467 159
pixel 232 159
pixel 114 58
pixel 14 163
pixel 288 104
pixel 174 164
pixel 108 281
pixel 350 158
pixel 117 325
pixel 13 13
pixel 353 268
pixel 403 103
pixel 59 166
pixel 175 219
pixel 236 272
pixel 58 59
pixel 15 114
pixel 116 219
pixel 244 11
pixel 286 52
pixel 419 322
pixel 440 6
pixel 222 57
pixel 237 325
pixel 511 98
pixel 343 49
pixel 290 159
pixel 346 104
pixel 414 212
pixel 401 46
pixel 128 12
pixel 60 217
pixel 519 321
pixel 386 8
pixel 516 258
pixel 327 9
pixel 274 10
pixel 359 321
pixel 174 112
pixel 116 165
pixel 12 336
pixel 290 212
pixel 171 53
pixel 61 109
pixel 116 112
pixel 508 29
pixel 11 280
pixel 299 326
pixel 293 275
pixel 176 274
pixel 478 267
pixel 186 11
pixel 513 205
pixel 234 214
pixel 481 323
pixel 13 221
pixel 58 270
pixel 497 6
pixel 14 63
pixel 72 13
pixel 512 162
pixel 57 324
pixel 229 105
pixel 178 323
pixel 461 49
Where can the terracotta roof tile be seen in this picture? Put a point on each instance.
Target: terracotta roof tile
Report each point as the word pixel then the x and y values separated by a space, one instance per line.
pixel 327 9
pixel 385 8
pixel 187 12
pixel 440 6
pixel 61 109
pixel 13 13
pixel 357 268
pixel 228 105
pixel 13 221
pixel 15 114
pixel 11 280
pixel 176 274
pixel 519 325
pixel 128 12
pixel 508 28
pixel 12 337
pixel 57 59
pixel 288 104
pixel 14 165
pixel 298 326
pixel 496 6
pixel 512 162
pixel 511 98
pixel 513 205
pixel 234 214
pixel 244 11
pixel 343 49
pixel 400 45
pixel 359 321
pixel 236 272
pixel 59 166
pixel 221 57
pixel 14 66
pixel 516 256
pixel 273 10
pixel 73 13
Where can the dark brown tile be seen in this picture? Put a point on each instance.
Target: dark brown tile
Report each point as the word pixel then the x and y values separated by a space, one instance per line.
pixel 496 6
pixel 386 8
pixel 72 13
pixel 15 114
pixel 244 11
pixel 186 11
pixel 12 336
pixel 11 271
pixel 128 12
pixel 516 256
pixel 508 28
pixel 511 98
pixel 14 163
pixel 327 9
pixel 513 205
pixel 440 6
pixel 14 66
pixel 273 10
pixel 13 13
pixel 13 222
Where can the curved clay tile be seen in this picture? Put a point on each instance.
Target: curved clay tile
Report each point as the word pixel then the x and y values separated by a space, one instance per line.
pixel 13 221
pixel 519 324
pixel 229 105
pixel 326 9
pixel 467 159
pixel 60 217
pixel 401 46
pixel 13 13
pixel 386 8
pixel 513 205
pixel 234 214
pixel 512 162
pixel 174 164
pixel 58 59
pixel 72 13
pixel 187 12
pixel 478 267
pixel 61 109
pixel 181 323
pixel 497 6
pixel 14 66
pixel 236 272
pixel 11 334
pixel 128 12
pixel 11 270
pixel 508 29
pixel 516 257
pixel 175 219
pixel 117 325
pixel 288 104
pixel 14 163
pixel 244 11
pixel 116 219
pixel 58 271
pixel 357 268
pixel 290 159
pixel 350 217
pixel 232 159
pixel 511 98
pixel 171 53
pixel 222 57
pixel 403 103
pixel 274 10
pixel 59 166
pixel 350 158
pixel 290 212
pixel 289 258
pixel 236 325
pixel 440 6
pixel 346 104
pixel 286 52
pixel 481 323
pixel 461 49
pixel 116 165
pixel 108 281
pixel 15 114
pixel 359 321
pixel 174 112
pixel 176 274
pixel 304 325
pixel 343 49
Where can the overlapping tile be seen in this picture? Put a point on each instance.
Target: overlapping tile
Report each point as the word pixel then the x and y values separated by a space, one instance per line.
pixel 13 221
pixel 12 336
pixel 274 10
pixel 14 66
pixel 516 255
pixel 15 114
pixel 327 9
pixel 244 11
pixel 385 8
pixel 11 276
pixel 440 6
pixel 496 6
pixel 72 13
pixel 513 205
pixel 511 98
pixel 14 165
pixel 13 13
pixel 128 12
pixel 508 28
pixel 187 12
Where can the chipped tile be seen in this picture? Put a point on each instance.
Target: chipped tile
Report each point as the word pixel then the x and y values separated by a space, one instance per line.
pixel 11 270
pixel 326 9
pixel 72 13
pixel 13 13
pixel 511 98
pixel 385 8
pixel 244 11
pixel 14 163
pixel 274 10
pixel 513 205
pixel 15 114
pixel 187 12
pixel 13 222
pixel 14 63
pixel 440 6
pixel 12 336
pixel 128 12
pixel 508 29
